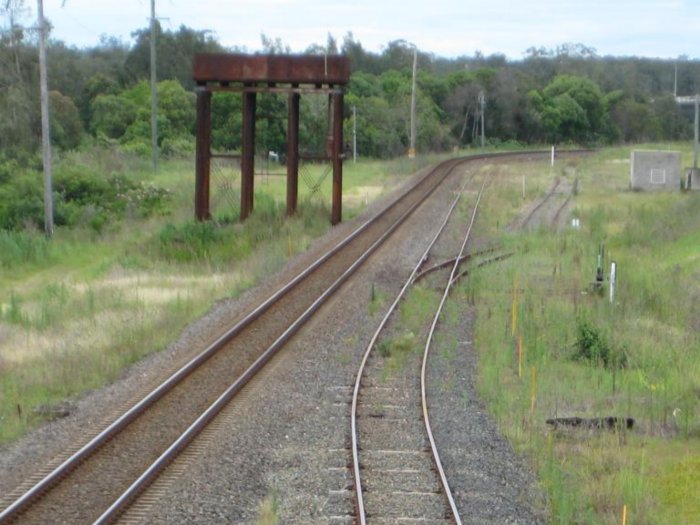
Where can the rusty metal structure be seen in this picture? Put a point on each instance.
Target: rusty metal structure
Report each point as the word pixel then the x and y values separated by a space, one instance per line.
pixel 294 75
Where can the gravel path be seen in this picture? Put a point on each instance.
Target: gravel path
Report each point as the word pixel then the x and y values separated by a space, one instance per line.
pixel 491 484
pixel 286 438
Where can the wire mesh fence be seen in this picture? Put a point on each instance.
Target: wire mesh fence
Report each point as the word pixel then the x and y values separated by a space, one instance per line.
pixel 225 188
pixel 313 174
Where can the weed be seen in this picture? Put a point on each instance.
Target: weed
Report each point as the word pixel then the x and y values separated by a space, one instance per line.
pixel 269 511
pixel 191 241
pixel 384 348
pixel 23 248
pixel 593 346
pixel 398 348
pixel 13 314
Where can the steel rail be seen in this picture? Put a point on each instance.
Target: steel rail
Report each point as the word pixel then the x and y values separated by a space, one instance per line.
pixel 445 264
pixel 356 391
pixel 156 467
pixel 555 219
pixel 481 264
pixel 534 210
pixel 67 466
pixel 424 402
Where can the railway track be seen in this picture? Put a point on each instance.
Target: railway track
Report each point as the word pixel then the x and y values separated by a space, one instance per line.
pixel 96 483
pixel 533 212
pixel 397 471
pixel 550 207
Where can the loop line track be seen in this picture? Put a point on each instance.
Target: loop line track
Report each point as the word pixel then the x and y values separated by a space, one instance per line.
pixel 361 513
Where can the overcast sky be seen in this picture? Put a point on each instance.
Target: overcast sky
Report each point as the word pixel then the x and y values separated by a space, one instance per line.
pixel 450 28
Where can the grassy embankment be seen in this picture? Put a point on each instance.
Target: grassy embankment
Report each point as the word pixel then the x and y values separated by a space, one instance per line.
pixel 583 356
pixel 76 311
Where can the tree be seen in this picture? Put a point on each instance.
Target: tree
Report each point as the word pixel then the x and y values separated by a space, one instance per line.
pixel 19 86
pixel 126 117
pixel 111 116
pixel 66 124
pixel 174 54
pixel 571 108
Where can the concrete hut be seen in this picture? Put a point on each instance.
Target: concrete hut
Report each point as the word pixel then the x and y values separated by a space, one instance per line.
pixel 655 170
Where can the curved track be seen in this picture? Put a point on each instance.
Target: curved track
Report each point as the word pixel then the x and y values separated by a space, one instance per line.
pixel 397 477
pixel 157 427
pixel 96 483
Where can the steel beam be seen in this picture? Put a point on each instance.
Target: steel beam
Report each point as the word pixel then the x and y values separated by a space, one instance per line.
pixel 249 75
pixel 290 69
pixel 292 153
pixel 248 155
pixel 336 210
pixel 203 156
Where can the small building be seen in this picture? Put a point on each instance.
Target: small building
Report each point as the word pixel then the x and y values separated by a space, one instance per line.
pixel 655 170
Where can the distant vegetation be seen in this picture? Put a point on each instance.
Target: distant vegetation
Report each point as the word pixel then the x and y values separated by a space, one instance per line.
pixel 100 96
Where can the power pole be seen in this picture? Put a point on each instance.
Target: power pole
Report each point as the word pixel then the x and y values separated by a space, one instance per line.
pixel 675 79
pixel 154 95
pixel 354 133
pixel 695 101
pixel 45 135
pixel 412 148
pixel 482 103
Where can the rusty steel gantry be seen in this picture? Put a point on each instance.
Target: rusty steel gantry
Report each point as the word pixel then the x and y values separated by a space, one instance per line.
pixel 294 75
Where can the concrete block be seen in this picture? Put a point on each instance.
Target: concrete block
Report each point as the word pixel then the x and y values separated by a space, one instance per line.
pixel 655 170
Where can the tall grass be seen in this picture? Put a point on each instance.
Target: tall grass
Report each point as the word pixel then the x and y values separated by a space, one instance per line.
pixel 24 248
pixel 650 337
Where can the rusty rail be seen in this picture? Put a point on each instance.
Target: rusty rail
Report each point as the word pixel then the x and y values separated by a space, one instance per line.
pixel 534 210
pixel 424 401
pixel 144 480
pixel 356 391
pixel 66 467
pixel 123 421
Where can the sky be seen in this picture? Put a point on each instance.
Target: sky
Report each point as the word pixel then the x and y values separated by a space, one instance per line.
pixel 448 28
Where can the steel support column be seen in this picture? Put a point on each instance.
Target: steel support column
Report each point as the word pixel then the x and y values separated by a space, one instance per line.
pixel 336 210
pixel 292 153
pixel 248 155
pixel 203 162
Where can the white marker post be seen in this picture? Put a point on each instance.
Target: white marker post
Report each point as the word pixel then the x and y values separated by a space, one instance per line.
pixel 552 156
pixel 613 272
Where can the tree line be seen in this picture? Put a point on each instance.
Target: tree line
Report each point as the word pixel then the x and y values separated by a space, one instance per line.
pixel 563 95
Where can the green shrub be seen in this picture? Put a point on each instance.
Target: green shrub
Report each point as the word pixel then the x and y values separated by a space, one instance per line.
pixel 8 169
pixel 83 196
pixel 593 346
pixel 22 202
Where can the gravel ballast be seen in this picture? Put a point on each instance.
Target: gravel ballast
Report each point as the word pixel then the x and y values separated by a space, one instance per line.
pixel 286 438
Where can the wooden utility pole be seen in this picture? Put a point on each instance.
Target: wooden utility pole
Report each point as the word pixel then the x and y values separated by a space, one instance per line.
pixel 412 148
pixel 45 134
pixel 154 94
pixel 482 103
pixel 675 79
pixel 354 133
pixel 695 101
